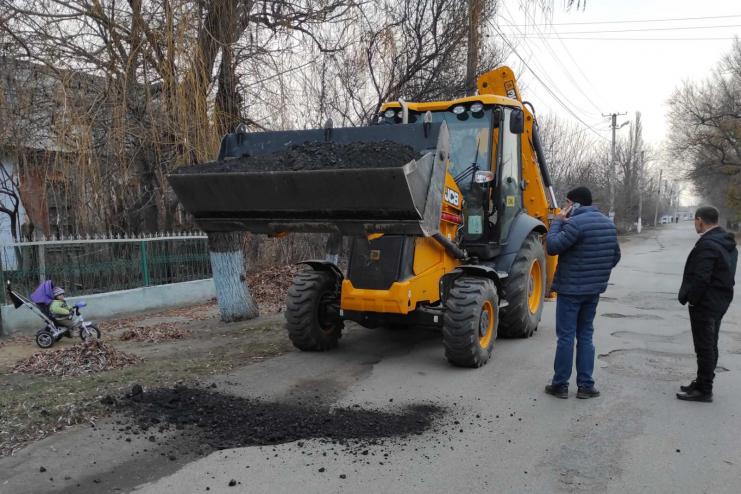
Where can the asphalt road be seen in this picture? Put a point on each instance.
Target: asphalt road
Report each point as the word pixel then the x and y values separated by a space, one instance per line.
pixel 502 433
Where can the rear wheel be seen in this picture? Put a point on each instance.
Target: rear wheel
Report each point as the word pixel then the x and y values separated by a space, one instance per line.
pixel 471 321
pixel 44 339
pixel 313 311
pixel 525 290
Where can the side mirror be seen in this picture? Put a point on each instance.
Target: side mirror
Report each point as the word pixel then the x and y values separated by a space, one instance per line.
pixel 517 121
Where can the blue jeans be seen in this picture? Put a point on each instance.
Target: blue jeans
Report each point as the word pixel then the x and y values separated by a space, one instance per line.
pixel 574 319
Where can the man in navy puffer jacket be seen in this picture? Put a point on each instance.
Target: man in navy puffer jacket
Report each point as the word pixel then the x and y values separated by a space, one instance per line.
pixel 586 242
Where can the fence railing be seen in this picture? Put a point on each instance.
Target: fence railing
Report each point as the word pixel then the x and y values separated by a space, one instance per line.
pixel 96 264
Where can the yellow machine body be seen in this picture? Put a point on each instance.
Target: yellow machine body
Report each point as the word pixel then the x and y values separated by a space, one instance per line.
pixel 431 260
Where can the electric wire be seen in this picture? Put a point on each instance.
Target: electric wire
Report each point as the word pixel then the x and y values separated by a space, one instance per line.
pixel 626 39
pixel 561 65
pixel 675 19
pixel 545 86
pixel 533 60
pixel 644 30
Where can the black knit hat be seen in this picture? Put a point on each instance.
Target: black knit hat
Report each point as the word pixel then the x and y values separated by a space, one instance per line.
pixel 582 195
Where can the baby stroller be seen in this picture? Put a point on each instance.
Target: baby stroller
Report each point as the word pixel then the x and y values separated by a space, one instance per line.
pixel 52 332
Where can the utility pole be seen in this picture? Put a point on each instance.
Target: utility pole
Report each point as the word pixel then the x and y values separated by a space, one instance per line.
pixel 658 200
pixel 614 127
pixel 640 193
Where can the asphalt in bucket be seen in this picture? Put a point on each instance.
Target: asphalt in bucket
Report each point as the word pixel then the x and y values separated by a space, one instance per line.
pixel 315 156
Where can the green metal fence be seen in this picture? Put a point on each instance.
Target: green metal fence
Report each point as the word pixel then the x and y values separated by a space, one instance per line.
pixel 97 265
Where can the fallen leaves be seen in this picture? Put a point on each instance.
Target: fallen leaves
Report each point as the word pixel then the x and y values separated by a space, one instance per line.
pixel 155 334
pixel 269 287
pixel 84 358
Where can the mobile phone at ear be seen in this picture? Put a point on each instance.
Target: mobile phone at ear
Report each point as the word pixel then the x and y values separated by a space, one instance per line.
pixel 574 207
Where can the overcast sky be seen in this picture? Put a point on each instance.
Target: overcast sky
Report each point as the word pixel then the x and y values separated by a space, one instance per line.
pixel 595 76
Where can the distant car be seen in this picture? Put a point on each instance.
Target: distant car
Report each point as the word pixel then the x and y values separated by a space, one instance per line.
pixel 665 220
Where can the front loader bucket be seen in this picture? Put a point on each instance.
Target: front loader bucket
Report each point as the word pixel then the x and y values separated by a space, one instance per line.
pixel 250 189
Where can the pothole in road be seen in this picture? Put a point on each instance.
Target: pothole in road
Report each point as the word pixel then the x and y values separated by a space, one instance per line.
pixel 659 366
pixel 647 337
pixel 650 300
pixel 648 317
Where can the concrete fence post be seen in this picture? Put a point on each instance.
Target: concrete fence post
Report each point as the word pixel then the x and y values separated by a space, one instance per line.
pixel 42 263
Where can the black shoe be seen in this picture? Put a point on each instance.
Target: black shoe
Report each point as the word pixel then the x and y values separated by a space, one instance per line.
pixel 585 393
pixel 557 391
pixel 696 395
pixel 691 386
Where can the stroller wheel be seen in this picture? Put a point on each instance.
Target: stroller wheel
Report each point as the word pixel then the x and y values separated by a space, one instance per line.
pixel 44 339
pixel 89 332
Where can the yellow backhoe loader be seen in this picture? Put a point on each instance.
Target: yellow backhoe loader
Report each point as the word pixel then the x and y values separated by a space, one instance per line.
pixel 451 237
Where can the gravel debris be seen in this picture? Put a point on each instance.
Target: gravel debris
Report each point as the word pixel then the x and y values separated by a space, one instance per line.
pixel 223 421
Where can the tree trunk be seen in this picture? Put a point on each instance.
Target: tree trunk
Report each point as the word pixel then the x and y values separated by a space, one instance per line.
pixel 475 8
pixel 229 270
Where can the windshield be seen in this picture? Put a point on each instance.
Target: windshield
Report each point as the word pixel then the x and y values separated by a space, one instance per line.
pixel 470 140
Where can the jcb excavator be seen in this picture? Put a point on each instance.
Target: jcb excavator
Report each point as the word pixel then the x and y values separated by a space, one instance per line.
pixel 453 238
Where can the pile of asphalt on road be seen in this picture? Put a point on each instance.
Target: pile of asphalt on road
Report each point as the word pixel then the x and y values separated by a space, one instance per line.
pixel 315 156
pixel 222 421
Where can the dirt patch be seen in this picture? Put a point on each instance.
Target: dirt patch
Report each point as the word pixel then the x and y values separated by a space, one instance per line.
pixel 223 421
pixel 315 156
pixel 85 358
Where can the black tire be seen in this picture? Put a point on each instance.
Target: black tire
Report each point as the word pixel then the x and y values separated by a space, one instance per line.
pixel 91 328
pixel 521 318
pixel 312 311
pixel 471 308
pixel 44 339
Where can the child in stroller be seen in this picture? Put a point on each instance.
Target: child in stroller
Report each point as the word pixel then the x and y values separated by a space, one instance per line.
pixel 61 313
pixel 47 302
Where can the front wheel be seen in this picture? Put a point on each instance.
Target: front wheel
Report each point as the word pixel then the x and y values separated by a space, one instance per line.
pixel 471 321
pixel 525 290
pixel 89 332
pixel 313 311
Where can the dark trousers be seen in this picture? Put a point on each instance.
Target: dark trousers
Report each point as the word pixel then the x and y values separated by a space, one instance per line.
pixel 705 329
pixel 575 320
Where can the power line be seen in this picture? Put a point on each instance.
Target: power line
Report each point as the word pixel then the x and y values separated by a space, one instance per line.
pixel 627 39
pixel 637 20
pixel 561 65
pixel 546 75
pixel 555 97
pixel 643 30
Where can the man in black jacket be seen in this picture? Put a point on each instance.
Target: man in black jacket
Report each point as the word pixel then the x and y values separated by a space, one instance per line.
pixel 707 285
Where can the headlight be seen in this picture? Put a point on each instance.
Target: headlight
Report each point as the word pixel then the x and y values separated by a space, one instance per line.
pixel 389 113
pixel 477 108
pixel 459 109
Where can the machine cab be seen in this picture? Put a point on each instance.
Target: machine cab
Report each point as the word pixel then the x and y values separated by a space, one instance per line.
pixel 485 162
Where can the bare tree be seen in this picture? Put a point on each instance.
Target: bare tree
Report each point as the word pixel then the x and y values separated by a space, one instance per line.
pixel 705 136
pixel 9 199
